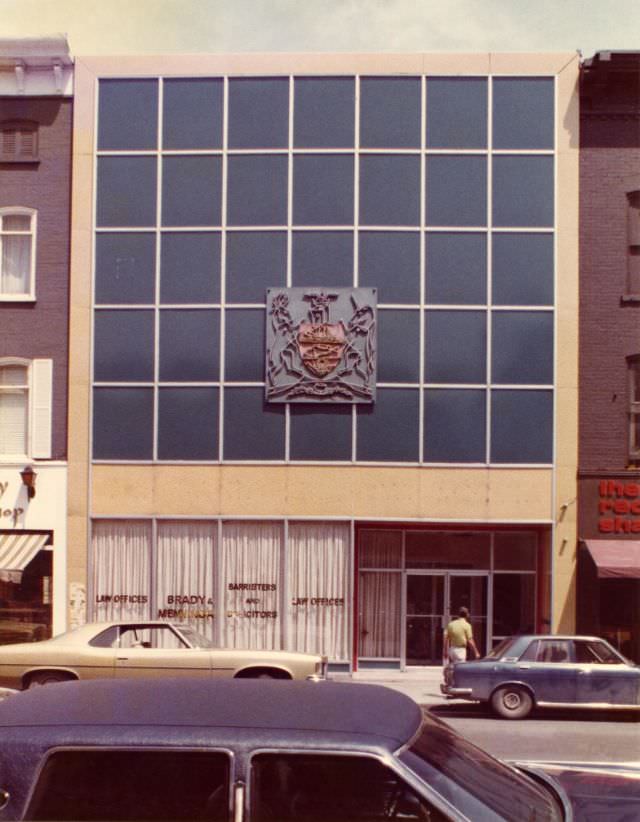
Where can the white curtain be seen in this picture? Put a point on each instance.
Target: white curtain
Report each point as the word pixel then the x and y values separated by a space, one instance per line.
pixel 250 574
pixel 379 614
pixel 380 549
pixel 318 566
pixel 13 409
pixel 16 254
pixel 121 570
pixel 184 571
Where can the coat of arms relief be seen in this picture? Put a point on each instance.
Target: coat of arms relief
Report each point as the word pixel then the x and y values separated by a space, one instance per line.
pixel 321 345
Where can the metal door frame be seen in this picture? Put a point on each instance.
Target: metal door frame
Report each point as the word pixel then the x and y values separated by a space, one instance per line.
pixel 446 573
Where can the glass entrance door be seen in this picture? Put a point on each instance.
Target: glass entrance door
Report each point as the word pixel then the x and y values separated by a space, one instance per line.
pixel 432 598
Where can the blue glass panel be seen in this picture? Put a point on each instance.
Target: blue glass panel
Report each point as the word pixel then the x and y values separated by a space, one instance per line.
pixel 122 423
pixel 126 191
pixel 323 190
pixel 257 190
pixel 388 431
pixel 456 112
pixel 390 262
pixel 456 192
pixel 125 268
pixel 191 190
pixel 522 347
pixel 324 112
pixel 390 112
pixel 190 267
pixel 523 191
pixel 188 424
pixel 522 426
pixel 192 113
pixel 253 430
pixel 522 269
pixel 128 115
pixel 456 268
pixel 258 112
pixel 322 258
pixel 456 347
pixel 389 190
pixel 398 345
pixel 189 345
pixel 320 432
pixel 523 112
pixel 244 344
pixel 256 260
pixel 123 346
pixel 454 425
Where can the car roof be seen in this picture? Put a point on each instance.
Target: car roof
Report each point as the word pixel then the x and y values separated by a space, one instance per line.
pixel 325 707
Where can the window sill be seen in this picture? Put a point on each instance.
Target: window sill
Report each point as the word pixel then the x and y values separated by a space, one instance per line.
pixel 17 298
pixel 630 298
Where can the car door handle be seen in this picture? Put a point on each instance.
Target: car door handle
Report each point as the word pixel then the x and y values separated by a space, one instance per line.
pixel 524 667
pixel 122 658
pixel 583 672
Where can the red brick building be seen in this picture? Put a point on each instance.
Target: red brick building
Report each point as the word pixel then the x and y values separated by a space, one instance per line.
pixel 608 593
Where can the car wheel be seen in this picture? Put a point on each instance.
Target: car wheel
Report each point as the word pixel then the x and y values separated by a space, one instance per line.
pixel 512 702
pixel 47 678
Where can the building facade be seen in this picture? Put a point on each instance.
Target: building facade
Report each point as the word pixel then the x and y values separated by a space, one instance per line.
pixel 330 393
pixel 35 174
pixel 609 477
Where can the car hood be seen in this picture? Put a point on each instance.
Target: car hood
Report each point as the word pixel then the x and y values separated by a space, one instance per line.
pixel 597 792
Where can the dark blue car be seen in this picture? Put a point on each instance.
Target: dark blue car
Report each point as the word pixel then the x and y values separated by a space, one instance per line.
pixel 547 671
pixel 255 751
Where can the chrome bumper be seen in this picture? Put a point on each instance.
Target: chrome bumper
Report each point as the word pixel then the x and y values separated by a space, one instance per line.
pixel 460 693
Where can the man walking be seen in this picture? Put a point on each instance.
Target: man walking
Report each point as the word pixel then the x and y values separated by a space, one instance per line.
pixel 458 636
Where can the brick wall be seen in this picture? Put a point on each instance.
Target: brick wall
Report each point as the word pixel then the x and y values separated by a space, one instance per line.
pixel 40 329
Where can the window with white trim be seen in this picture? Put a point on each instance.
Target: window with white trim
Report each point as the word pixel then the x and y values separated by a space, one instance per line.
pixel 634 409
pixel 25 408
pixel 17 253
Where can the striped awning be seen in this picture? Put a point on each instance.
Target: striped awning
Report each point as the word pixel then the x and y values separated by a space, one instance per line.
pixel 17 549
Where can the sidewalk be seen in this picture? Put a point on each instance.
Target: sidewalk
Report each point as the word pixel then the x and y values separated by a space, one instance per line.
pixel 421 684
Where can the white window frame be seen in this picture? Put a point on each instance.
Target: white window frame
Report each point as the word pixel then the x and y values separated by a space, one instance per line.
pixel 39 388
pixel 21 211
pixel 634 408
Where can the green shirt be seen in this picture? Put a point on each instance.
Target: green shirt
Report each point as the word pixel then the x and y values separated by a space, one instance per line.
pixel 459 632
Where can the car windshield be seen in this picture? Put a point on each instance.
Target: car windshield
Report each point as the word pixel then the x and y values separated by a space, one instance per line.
pixel 473 781
pixel 193 637
pixel 501 648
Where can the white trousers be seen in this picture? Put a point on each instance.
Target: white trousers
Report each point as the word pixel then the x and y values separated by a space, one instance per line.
pixel 457 654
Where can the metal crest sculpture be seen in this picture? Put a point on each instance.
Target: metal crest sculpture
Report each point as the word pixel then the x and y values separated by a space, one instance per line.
pixel 321 345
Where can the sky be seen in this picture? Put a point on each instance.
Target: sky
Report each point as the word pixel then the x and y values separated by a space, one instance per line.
pixel 188 26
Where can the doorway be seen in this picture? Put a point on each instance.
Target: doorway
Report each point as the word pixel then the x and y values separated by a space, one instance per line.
pixel 431 599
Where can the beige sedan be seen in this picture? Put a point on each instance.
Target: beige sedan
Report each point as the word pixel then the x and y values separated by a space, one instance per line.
pixel 144 649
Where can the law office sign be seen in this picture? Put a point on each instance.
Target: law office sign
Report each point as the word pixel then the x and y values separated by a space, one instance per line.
pixel 321 345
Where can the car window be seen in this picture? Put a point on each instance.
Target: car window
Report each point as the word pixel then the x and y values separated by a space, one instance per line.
pixel 319 788
pixel 501 649
pixel 105 639
pixel 553 650
pixel 123 786
pixel 594 652
pixel 531 654
pixel 479 786
pixel 150 636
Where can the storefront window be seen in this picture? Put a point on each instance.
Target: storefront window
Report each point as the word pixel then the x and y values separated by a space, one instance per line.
pixel 438 549
pixel 250 571
pixel 122 578
pixel 25 601
pixel 380 549
pixel 318 569
pixel 184 574
pixel 513 604
pixel 514 552
pixel 379 607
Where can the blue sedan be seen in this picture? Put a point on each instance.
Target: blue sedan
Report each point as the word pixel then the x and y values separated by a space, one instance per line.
pixel 547 671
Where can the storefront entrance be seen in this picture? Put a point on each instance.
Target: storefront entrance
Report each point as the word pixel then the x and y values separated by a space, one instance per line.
pixel 431 600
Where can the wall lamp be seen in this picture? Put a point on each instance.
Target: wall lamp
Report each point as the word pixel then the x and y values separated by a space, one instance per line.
pixel 29 481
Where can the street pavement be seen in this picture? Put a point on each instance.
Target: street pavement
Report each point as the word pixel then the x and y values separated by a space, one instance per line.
pixel 421 684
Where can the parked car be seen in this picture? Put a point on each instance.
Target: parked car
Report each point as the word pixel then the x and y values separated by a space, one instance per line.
pixel 264 752
pixel 547 671
pixel 149 649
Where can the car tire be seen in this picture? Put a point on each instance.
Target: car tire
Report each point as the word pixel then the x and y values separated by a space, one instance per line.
pixel 512 702
pixel 47 678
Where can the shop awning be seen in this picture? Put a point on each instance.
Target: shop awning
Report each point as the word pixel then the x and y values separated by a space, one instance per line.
pixel 17 549
pixel 617 558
